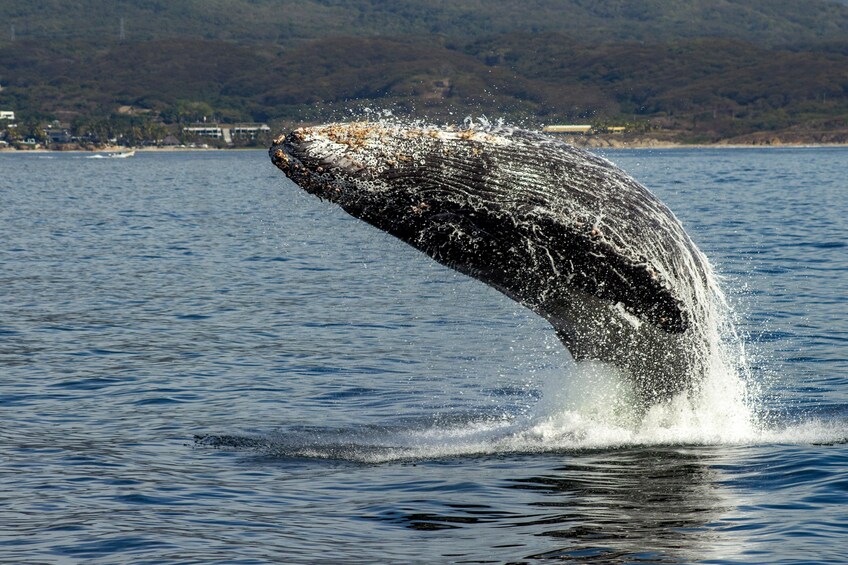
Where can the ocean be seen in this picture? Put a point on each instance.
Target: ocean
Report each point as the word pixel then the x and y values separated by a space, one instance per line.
pixel 200 363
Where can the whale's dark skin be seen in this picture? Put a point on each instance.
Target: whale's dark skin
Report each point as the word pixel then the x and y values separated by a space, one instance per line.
pixel 561 231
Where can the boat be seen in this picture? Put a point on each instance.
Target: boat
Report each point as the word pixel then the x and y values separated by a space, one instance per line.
pixel 122 154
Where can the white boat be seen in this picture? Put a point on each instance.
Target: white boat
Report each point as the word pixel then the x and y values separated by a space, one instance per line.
pixel 122 155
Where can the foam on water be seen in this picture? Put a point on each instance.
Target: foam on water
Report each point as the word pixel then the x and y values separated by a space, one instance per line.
pixel 592 407
pixel 566 431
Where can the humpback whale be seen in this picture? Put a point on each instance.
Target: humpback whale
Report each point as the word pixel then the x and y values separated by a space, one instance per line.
pixel 562 231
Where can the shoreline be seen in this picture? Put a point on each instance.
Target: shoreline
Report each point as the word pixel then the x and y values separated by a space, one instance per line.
pixel 589 143
pixel 812 145
pixel 607 142
pixel 128 149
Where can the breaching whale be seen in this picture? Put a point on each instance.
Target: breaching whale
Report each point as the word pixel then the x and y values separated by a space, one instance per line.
pixel 562 231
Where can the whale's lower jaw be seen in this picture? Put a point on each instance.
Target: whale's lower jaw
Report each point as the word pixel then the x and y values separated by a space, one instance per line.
pixel 562 232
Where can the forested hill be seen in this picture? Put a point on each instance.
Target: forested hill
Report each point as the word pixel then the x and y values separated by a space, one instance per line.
pixel 706 69
pixel 768 22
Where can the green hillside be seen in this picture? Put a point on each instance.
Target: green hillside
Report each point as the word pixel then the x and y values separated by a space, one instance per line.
pixel 703 69
pixel 281 21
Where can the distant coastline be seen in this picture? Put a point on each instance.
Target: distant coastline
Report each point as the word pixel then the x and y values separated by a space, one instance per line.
pixel 121 148
pixel 653 143
pixel 591 142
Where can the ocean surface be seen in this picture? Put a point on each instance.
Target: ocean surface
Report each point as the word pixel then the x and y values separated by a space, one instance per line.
pixel 199 363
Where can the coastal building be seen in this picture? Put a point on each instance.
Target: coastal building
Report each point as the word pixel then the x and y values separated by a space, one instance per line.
pixel 227 131
pixel 250 130
pixel 568 129
pixel 205 130
pixel 57 132
pixel 7 115
pixel 58 135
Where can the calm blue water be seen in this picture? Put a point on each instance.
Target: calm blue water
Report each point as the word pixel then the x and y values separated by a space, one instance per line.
pixel 200 363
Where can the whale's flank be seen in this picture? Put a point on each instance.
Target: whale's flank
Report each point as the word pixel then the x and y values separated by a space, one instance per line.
pixel 561 231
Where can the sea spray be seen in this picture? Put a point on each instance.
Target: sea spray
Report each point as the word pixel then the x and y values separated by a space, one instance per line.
pixel 592 404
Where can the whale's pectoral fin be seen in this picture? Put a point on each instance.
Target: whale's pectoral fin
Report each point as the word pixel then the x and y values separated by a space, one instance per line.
pixel 592 329
pixel 571 342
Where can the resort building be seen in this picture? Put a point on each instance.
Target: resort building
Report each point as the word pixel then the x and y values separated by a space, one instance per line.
pixel 227 131
pixel 205 130
pixel 249 130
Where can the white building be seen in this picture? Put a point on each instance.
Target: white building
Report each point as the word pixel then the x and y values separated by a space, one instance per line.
pixel 7 115
pixel 205 130
pixel 249 130
pixel 227 131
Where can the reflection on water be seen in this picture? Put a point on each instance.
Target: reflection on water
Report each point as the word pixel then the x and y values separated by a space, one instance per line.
pixel 651 505
pixel 627 506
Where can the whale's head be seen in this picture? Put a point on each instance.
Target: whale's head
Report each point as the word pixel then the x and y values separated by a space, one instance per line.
pixel 384 173
pixel 431 187
pixel 424 184
pixel 331 161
